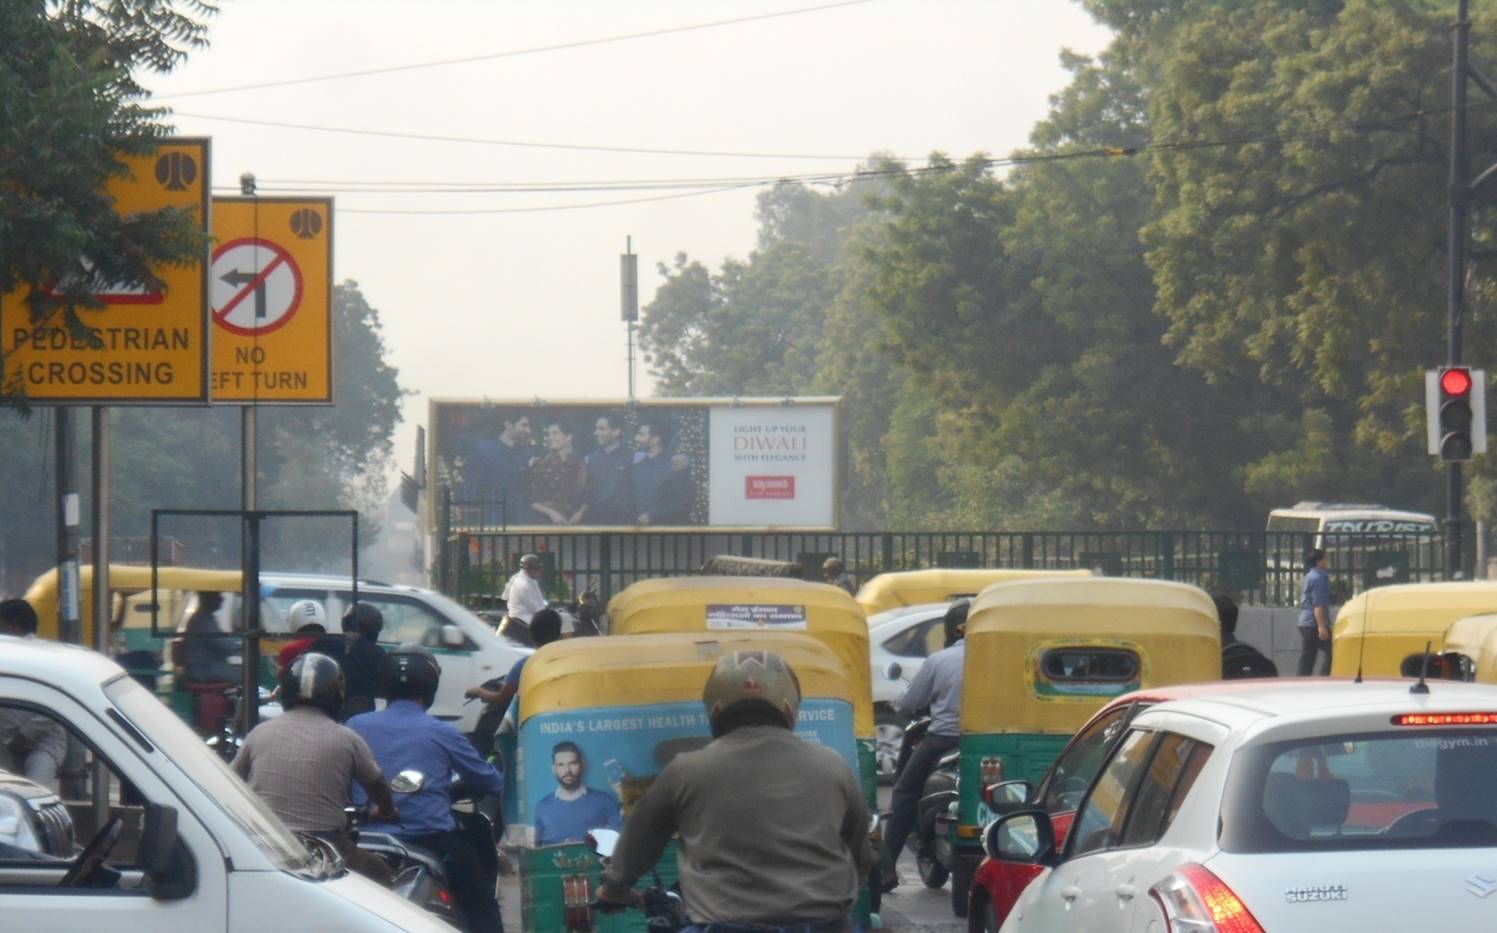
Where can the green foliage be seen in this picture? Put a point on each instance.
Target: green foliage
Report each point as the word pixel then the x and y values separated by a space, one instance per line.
pixel 69 107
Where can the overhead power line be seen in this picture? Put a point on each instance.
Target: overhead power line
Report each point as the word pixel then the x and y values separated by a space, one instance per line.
pixel 514 53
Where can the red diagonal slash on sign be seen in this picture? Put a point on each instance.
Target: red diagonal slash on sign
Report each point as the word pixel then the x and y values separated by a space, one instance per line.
pixel 256 283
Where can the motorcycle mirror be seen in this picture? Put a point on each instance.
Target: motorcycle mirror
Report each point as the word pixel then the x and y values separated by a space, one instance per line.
pixel 893 671
pixel 408 781
pixel 603 841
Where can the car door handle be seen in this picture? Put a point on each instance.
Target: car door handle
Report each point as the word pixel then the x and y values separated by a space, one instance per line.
pixel 1125 892
pixel 1070 894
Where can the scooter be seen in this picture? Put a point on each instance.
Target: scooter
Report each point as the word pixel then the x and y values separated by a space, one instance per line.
pixel 665 911
pixel 420 875
pixel 226 742
pixel 937 808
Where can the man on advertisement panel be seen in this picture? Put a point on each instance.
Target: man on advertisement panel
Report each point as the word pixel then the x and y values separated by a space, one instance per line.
pixel 567 813
pixel 610 483
pixel 497 473
pixel 662 485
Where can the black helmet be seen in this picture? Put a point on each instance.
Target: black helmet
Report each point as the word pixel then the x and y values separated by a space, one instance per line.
pixel 314 679
pixel 409 669
pixel 955 620
pixel 363 619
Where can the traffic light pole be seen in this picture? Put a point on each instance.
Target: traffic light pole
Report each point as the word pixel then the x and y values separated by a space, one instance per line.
pixel 1460 192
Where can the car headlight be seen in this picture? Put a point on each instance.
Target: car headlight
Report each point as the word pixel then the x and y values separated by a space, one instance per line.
pixel 16 828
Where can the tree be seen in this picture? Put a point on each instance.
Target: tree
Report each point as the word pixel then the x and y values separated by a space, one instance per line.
pixel 72 107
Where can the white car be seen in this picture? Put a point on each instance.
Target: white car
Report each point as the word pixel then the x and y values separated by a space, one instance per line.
pixel 182 843
pixel 899 641
pixel 1325 805
pixel 466 646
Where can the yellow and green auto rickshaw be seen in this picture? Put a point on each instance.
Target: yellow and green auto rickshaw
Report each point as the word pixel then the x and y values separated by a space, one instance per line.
pixel 1383 631
pixel 1470 650
pixel 942 585
pixel 621 709
pixel 1041 657
pixel 765 604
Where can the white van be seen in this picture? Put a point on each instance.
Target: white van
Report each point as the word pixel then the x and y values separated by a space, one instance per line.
pixel 182 843
pixel 1344 518
pixel 465 645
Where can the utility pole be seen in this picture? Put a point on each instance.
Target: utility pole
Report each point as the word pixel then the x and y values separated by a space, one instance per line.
pixel 629 300
pixel 1460 194
pixel 69 628
pixel 249 596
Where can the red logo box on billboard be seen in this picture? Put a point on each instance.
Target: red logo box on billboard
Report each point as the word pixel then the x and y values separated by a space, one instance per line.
pixel 769 487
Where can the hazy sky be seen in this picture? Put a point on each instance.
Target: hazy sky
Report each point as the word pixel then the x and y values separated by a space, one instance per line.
pixel 524 304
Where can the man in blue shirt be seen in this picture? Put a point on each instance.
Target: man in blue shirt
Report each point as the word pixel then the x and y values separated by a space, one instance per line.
pixel 662 486
pixel 1315 614
pixel 403 737
pixel 610 484
pixel 567 813
pixel 938 685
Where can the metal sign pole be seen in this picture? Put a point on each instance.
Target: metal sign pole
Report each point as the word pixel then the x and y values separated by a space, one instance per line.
pixel 249 703
pixel 99 521
pixel 69 628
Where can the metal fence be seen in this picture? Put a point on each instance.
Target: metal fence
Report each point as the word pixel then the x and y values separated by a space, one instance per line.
pixel 1259 568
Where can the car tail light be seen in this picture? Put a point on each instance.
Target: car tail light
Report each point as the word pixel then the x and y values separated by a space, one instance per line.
pixel 1196 901
pixel 1445 719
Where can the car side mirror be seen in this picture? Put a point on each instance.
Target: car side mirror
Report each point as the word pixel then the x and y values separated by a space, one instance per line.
pixel 1007 797
pixel 893 671
pixel 452 636
pixel 1026 837
pixel 167 864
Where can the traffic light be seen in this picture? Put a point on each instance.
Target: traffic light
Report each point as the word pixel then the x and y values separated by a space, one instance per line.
pixel 1455 403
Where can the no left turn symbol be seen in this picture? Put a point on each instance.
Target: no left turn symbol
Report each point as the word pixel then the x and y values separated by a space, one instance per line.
pixel 256 286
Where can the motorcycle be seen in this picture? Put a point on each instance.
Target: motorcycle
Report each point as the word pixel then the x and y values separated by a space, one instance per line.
pixel 665 911
pixel 419 875
pixel 226 741
pixel 936 810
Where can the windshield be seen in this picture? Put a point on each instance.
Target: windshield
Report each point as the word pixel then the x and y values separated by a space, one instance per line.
pixel 891 615
pixel 1412 789
pixel 183 747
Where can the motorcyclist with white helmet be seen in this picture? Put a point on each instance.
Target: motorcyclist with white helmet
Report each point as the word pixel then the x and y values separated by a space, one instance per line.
pixel 302 762
pixel 404 737
pixel 773 830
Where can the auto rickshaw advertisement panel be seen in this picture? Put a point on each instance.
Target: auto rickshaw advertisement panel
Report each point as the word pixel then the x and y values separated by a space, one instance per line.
pixel 1382 632
pixel 601 717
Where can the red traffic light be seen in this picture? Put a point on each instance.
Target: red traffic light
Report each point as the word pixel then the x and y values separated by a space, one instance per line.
pixel 1455 381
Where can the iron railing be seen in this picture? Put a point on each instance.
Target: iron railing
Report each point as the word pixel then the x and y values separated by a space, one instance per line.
pixel 1259 568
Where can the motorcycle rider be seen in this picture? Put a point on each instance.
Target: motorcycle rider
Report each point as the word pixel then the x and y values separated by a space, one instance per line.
pixel 938 685
pixel 773 830
pixel 302 762
pixel 403 737
pixel 362 624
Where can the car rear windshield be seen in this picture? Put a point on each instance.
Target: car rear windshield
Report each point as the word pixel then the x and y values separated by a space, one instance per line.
pixel 1410 789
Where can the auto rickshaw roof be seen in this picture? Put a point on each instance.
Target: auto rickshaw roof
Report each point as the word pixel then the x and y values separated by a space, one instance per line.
pixel 1467 634
pixel 1005 605
pixel 123 578
pixel 1415 608
pixel 942 584
pixel 828 608
pixel 583 673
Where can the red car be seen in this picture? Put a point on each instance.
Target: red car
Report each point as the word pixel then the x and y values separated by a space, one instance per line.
pixel 997 885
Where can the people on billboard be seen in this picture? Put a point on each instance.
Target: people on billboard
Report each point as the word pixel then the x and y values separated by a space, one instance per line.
pixel 557 479
pixel 567 813
pixel 610 486
pixel 662 485
pixel 498 471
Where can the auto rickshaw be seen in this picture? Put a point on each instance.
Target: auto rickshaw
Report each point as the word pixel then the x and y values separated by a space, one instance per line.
pixel 1383 631
pixel 621 709
pixel 758 605
pixel 941 585
pixel 1041 657
pixel 1470 651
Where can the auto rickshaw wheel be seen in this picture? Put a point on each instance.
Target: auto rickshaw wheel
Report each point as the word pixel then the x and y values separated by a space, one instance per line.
pixel 961 884
pixel 932 873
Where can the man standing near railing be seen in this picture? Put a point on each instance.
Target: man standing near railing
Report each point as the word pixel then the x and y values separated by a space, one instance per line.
pixel 1315 614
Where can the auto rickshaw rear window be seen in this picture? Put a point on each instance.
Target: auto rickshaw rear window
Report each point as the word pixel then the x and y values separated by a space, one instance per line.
pixel 1090 665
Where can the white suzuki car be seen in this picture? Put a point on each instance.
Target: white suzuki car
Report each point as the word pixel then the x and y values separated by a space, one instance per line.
pixel 1330 806
pixel 899 642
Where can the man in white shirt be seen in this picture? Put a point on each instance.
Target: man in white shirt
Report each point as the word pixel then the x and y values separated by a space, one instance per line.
pixel 522 594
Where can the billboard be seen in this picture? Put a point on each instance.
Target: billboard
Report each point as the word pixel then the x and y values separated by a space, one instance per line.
pixel 676 463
